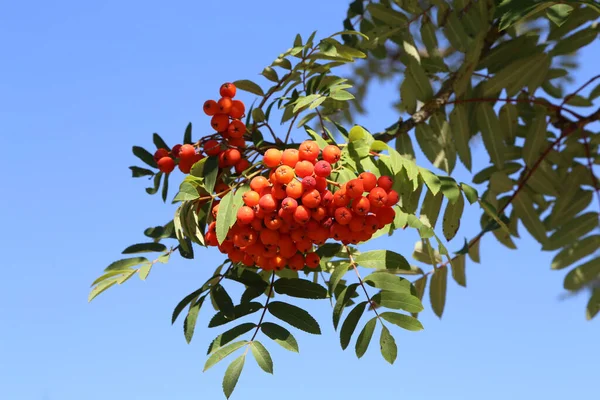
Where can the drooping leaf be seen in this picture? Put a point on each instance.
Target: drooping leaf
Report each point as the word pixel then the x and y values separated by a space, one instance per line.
pixel 403 321
pixel 452 217
pixel 229 335
pixel 458 270
pixel 145 248
pixel 343 299
pixel 144 155
pixel 364 337
pixel 189 324
pixel 262 356
pixel 249 86
pixel 223 352
pixel 232 374
pixel 576 252
pixel 294 316
pixel 490 131
pixel 388 347
pixel 398 301
pixel 223 301
pixel 280 335
pixel 125 263
pixel 437 290
pixel 241 310
pixel 349 325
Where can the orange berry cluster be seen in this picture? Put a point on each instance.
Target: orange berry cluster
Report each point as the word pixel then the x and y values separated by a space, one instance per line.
pixel 226 114
pixel 285 215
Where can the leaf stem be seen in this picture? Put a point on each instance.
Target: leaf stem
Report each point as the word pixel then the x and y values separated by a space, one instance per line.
pixel 262 316
pixel 362 284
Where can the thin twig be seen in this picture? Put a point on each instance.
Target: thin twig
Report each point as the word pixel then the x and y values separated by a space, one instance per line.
pixel 570 96
pixel 362 284
pixel 262 316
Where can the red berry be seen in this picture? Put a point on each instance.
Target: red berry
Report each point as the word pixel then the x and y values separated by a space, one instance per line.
pixel 175 151
pixel 166 164
pixel 322 169
pixel 227 90
pixel 237 109
pixel 187 152
pixel 385 182
pixel 210 107
pixel 369 180
pixel 160 153
pixel 312 260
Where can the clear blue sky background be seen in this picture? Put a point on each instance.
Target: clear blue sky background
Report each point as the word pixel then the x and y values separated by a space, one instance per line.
pixel 80 83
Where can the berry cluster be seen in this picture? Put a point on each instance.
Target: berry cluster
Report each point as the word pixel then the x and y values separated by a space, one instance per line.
pixel 227 144
pixel 285 215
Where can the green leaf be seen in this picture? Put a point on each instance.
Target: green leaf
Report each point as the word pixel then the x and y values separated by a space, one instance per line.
pixel 523 206
pixel 398 301
pixel 582 274
pixel 387 281
pixel 187 135
pixel 223 301
pixel 239 311
pixel 450 189
pixel 452 217
pixel 341 95
pixel 455 32
pixel 211 169
pixel 458 270
pixel 572 231
pixel 144 155
pixel 382 259
pixel 232 374
pixel 185 301
pixel 280 335
pixel 574 42
pixel 470 193
pixel 159 142
pixel 304 101
pixel 144 271
pixel 364 337
pixel 125 263
pixel 559 13
pixel 535 139
pixel 165 189
pixel 262 356
pixel 343 299
pixel 226 216
pixel 513 75
pixel 593 305
pixel 144 248
pixel 301 288
pixel 155 184
pixel 576 252
pixel 474 252
pixel 431 180
pixel 137 172
pixel 340 270
pixel 102 286
pixel 387 343
pixel 437 290
pixel 419 80
pixel 459 125
pixel 249 86
pixel 490 131
pixel 229 335
pixel 425 254
pixel 403 321
pixel 350 323
pixel 295 316
pixel 509 121
pixel 187 192
pixel 430 209
pixel 223 352
pixel 189 324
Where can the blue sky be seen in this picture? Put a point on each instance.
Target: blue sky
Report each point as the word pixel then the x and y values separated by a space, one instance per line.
pixel 81 82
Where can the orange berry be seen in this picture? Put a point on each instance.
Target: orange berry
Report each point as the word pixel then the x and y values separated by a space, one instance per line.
pixel 221 187
pixel 227 90
pixel 339 232
pixel 250 198
pixel 357 223
pixel 302 215
pixel 160 153
pixel 298 234
pixel 220 122
pixel 343 215
pixel 187 152
pixel 224 105
pixel 267 203
pixel 377 197
pixel 232 157
pixel 386 215
pixel 354 188
pixel 241 166
pixel 361 206
pixel 279 263
pixel 304 245
pixel 185 166
pixel 385 182
pixel 278 191
pixel 392 198
pixel 269 237
pixel 311 199
pixel 294 189
pixel 322 169
pixel 371 224
pixel 341 198
pixel 237 109
pixel 166 165
pixel 212 147
pixel 319 213
pixel 309 183
pixel 258 183
pixel 331 154
pixel 309 150
pixel 326 198
pixel 287 248
pixel 175 151
pixel 210 107
pixel 289 205
pixel 304 168
pixel 248 261
pixel 272 222
pixel 290 157
pixel 312 260
pixel 272 158
pixel 215 210
pixel 236 129
pixel 321 185
pixel 369 180
pixel 296 262
pixel 245 215
pixel 284 174
pixel 257 223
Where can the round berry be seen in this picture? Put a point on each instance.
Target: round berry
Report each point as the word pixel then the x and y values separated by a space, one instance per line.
pixel 309 150
pixel 392 198
pixel 245 215
pixel 385 182
pixel 369 180
pixel 289 205
pixel 311 198
pixel 294 189
pixel 227 90
pixel 220 122
pixel 160 153
pixel 224 105
pixel 210 107
pixel 212 147
pixel 322 168
pixel 175 151
pixel 377 197
pixel 267 203
pixel 343 215
pixel 258 183
pixel 166 165
pixel 309 183
pixel 284 174
pixel 302 215
pixel 331 154
pixel 187 152
pixel 272 158
pixel 231 157
pixel 354 188
pixel 312 260
pixel 241 166
pixel 236 129
pixel 304 168
pixel 290 157
pixel 251 198
pixel 237 109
